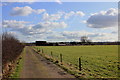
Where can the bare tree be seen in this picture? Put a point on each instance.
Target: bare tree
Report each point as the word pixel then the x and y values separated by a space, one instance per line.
pixel 85 40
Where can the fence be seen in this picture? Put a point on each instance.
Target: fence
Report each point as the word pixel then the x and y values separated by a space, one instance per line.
pixel 84 64
pixel 60 58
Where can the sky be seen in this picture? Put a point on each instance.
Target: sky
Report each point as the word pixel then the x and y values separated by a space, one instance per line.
pixel 60 21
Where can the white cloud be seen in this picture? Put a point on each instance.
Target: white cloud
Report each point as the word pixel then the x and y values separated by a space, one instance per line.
pixel 106 37
pixel 51 25
pixel 84 21
pixel 22 11
pixel 45 31
pixel 67 15
pixel 52 17
pixel 76 34
pixel 94 36
pixel 103 19
pixel 46 27
pixel 14 24
pixel 72 13
pixel 39 11
pixel 80 13
pixel 58 1
pixel 31 29
pixel 25 11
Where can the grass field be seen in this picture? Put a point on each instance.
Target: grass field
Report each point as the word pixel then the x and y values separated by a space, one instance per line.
pixel 97 61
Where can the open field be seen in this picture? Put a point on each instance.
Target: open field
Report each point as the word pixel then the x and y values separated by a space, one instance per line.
pixel 97 61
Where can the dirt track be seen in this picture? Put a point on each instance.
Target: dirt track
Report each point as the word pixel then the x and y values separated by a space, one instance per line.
pixel 35 66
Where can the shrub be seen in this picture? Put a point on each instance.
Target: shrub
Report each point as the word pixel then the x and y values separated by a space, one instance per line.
pixel 11 49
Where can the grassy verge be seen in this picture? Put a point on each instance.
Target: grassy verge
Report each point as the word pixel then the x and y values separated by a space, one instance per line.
pixel 19 66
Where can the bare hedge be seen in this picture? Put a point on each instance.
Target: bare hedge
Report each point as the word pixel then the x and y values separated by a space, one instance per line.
pixel 11 49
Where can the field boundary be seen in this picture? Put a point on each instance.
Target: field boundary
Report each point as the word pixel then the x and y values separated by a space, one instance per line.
pixel 79 69
pixel 69 68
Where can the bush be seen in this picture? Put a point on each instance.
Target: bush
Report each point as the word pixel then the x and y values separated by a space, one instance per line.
pixel 11 49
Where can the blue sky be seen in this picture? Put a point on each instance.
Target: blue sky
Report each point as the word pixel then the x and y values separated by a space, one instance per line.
pixel 67 21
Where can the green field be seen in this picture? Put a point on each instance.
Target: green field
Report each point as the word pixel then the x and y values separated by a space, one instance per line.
pixel 97 61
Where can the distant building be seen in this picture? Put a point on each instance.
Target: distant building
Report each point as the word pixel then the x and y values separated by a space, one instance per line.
pixel 41 43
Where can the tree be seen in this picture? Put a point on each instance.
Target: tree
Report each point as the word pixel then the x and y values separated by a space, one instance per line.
pixel 85 40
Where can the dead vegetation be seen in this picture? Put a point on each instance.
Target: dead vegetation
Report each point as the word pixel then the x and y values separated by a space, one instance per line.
pixel 11 50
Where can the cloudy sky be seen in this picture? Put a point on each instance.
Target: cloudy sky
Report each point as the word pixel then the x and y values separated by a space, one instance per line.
pixel 61 21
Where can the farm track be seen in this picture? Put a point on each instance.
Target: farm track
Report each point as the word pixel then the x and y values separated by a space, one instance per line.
pixel 36 66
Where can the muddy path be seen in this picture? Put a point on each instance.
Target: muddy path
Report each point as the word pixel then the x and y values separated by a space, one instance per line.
pixel 36 66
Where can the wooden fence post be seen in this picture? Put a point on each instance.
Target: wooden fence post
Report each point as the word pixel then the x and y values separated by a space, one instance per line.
pixel 80 65
pixel 61 58
pixel 42 51
pixel 51 54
